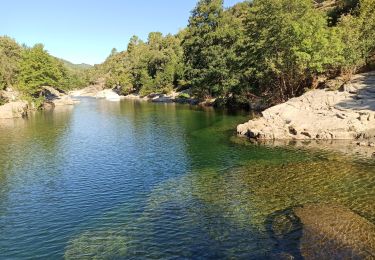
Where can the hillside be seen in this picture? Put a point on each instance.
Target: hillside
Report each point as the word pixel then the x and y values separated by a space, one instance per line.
pixel 82 66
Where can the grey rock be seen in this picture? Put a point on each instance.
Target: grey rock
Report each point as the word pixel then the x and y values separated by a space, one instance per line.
pixel 15 109
pixel 319 114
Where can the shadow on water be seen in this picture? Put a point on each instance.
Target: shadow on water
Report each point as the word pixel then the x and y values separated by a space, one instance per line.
pixel 286 229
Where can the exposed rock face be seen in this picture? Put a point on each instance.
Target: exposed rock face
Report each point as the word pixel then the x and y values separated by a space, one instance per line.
pixel 90 91
pixel 320 114
pixel 56 98
pixel 9 94
pixel 108 94
pixel 15 109
pixel 334 232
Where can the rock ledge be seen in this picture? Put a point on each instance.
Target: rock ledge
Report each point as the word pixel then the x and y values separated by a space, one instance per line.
pixel 346 114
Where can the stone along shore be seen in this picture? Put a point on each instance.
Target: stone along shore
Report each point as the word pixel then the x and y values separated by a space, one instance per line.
pixel 345 114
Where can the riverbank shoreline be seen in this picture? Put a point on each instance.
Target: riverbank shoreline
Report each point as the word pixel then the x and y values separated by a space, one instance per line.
pixel 99 91
pixel 322 114
pixel 17 106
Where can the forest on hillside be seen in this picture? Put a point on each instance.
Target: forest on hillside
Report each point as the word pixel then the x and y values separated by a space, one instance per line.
pixel 266 49
pixel 28 69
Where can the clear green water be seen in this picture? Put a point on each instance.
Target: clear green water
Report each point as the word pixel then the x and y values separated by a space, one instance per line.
pixel 129 180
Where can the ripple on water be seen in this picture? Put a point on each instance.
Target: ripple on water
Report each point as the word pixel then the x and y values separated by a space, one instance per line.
pixel 139 180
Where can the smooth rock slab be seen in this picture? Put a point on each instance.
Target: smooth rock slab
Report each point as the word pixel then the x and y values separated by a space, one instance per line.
pixel 319 115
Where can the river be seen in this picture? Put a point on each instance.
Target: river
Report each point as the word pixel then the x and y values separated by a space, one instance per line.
pixel 137 180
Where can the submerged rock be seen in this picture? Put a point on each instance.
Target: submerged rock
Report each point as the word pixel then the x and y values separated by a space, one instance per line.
pixel 320 114
pixel 15 109
pixel 323 231
pixel 335 232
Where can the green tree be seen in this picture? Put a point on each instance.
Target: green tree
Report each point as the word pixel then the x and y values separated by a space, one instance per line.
pixel 38 69
pixel 367 28
pixel 358 33
pixel 212 46
pixel 119 76
pixel 10 55
pixel 203 52
pixel 288 45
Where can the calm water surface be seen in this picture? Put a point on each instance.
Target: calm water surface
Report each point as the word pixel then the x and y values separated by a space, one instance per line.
pixel 130 180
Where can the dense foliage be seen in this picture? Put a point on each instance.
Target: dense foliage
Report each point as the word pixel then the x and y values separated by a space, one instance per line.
pixel 28 69
pixel 274 49
pixel 10 56
pixel 288 45
pixel 145 67
pixel 267 49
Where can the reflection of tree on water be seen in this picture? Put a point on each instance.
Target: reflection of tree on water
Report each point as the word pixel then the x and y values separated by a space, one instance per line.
pixel 28 144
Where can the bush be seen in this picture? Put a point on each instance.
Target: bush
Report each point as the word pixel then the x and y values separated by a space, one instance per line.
pixel 184 96
pixel 2 101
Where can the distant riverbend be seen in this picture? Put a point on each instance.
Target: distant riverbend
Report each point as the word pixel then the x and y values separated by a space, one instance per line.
pixel 140 180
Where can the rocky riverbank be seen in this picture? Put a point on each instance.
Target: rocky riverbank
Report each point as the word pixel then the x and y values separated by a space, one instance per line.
pixel 16 107
pixel 99 90
pixel 322 114
pixel 112 95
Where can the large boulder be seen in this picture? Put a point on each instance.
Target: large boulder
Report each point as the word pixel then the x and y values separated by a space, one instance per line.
pixel 51 93
pixel 55 97
pixel 320 114
pixel 9 94
pixel 15 109
pixel 108 94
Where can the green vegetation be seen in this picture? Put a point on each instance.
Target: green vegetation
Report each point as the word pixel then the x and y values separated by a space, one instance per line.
pixel 184 96
pixel 264 49
pixel 145 67
pixel 10 56
pixel 272 49
pixel 28 69
pixel 289 44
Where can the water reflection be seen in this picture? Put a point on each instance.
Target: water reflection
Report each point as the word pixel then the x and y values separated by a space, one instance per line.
pixel 141 180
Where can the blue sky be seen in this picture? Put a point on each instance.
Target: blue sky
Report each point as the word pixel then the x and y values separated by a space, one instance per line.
pixel 85 31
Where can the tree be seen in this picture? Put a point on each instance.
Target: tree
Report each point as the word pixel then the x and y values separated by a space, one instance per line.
pixel 202 50
pixel 38 69
pixel 358 33
pixel 10 55
pixel 288 45
pixel 119 75
pixel 148 67
pixel 367 28
pixel 212 48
